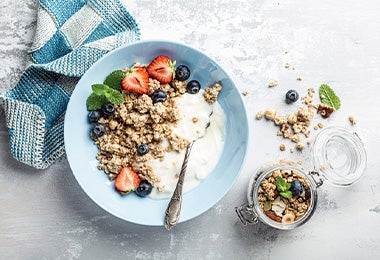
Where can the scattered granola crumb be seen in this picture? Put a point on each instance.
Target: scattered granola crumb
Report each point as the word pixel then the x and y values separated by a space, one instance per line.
pixel 270 114
pixel 273 83
pixel 292 149
pixel 316 127
pixel 260 115
pixel 308 99
pixel 352 120
pixel 296 138
pixel 282 147
pixel 299 162
pixel 308 142
pixel 245 93
pixel 299 78
pixel 287 65
pixel 195 119
pixel 320 125
pixel 299 146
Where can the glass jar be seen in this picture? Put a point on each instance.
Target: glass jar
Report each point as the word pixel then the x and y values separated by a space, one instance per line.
pixel 338 156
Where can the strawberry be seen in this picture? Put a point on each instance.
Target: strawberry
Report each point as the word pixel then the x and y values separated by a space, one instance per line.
pixel 127 180
pixel 162 69
pixel 136 80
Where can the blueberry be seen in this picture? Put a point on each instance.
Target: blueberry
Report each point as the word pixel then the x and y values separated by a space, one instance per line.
pixel 291 96
pixel 98 129
pixel 182 73
pixel 193 87
pixel 93 116
pixel 296 188
pixel 145 188
pixel 159 96
pixel 108 109
pixel 143 149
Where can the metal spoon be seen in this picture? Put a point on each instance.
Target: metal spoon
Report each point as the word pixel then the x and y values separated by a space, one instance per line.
pixel 174 207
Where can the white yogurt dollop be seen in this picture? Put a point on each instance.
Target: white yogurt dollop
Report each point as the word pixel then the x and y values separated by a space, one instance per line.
pixel 194 113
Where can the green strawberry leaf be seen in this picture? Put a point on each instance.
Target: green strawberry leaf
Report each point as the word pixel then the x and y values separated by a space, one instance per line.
pixel 328 96
pixel 286 194
pixel 114 79
pixel 95 102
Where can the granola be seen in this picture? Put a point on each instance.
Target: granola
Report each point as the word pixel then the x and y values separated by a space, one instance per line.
pixel 141 128
pixel 280 208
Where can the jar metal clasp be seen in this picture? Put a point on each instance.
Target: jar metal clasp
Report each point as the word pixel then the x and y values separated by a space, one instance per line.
pixel 316 178
pixel 246 214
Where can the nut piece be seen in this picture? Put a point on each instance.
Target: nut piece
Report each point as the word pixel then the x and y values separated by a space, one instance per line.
pixel 352 120
pixel 288 218
pixel 282 147
pixel 272 215
pixel 325 110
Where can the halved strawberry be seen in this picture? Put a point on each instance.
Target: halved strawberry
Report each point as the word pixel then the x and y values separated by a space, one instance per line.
pixel 162 69
pixel 127 180
pixel 136 80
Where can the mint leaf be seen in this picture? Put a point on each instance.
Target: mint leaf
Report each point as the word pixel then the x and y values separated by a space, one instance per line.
pixel 114 79
pixel 95 101
pixel 281 184
pixel 328 96
pixel 99 89
pixel 116 98
pixel 286 194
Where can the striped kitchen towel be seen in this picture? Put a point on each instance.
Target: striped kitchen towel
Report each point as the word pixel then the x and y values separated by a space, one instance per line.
pixel 70 36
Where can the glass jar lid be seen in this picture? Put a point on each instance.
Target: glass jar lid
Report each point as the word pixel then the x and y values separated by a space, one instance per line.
pixel 339 155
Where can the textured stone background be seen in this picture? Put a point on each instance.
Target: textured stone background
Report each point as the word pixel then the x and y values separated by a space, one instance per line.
pixel 46 215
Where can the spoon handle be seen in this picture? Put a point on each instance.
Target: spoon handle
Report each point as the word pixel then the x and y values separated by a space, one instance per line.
pixel 174 208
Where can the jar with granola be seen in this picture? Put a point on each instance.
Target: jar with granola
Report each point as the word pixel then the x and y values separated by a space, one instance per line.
pixel 284 196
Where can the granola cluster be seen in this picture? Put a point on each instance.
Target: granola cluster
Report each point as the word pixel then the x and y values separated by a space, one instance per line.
pixel 294 126
pixel 279 208
pixel 139 120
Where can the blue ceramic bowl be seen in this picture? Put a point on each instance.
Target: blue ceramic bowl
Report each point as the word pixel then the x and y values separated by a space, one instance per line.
pixel 81 151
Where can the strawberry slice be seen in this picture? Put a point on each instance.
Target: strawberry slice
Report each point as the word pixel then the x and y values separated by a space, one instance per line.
pixel 136 80
pixel 162 69
pixel 127 180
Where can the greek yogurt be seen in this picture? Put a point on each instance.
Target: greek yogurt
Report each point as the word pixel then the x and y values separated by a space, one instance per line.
pixel 195 114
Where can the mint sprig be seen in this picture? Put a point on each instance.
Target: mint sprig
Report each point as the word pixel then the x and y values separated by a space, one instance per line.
pixel 114 79
pixel 283 187
pixel 101 94
pixel 328 96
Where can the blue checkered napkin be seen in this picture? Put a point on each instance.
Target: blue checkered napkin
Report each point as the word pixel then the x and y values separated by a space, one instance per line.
pixel 70 37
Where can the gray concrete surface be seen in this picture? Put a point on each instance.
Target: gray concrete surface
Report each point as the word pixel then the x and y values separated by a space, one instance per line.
pixel 44 214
